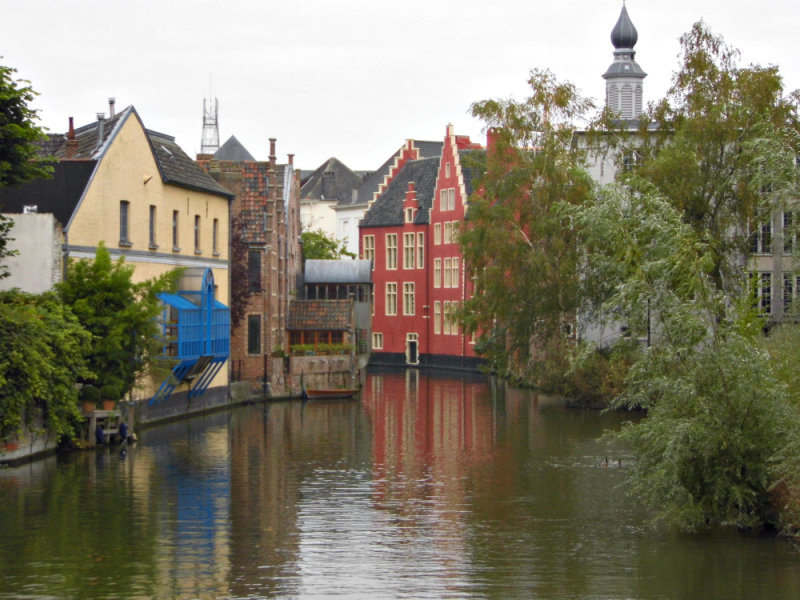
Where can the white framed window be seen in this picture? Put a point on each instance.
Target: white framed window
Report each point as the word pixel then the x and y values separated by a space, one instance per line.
pixel 442 200
pixel 409 212
pixel 789 232
pixel 408 250
pixel 446 318
pixel 391 250
pixel 448 282
pixel 437 316
pixel 761 239
pixel 437 272
pixel 448 232
pixel 408 298
pixel 368 250
pixel 420 250
pixel 451 199
pixel 377 340
pixel 761 286
pixel 437 234
pixel 391 298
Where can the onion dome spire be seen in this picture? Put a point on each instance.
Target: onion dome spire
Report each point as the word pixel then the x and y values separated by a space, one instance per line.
pixel 624 34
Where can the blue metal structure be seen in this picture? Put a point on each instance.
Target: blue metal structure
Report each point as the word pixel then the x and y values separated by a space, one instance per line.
pixel 196 328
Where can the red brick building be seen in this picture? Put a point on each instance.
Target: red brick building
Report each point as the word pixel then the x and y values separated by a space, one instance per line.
pixel 418 272
pixel 265 258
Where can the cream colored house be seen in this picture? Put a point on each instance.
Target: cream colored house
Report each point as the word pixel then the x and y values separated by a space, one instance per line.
pixel 135 190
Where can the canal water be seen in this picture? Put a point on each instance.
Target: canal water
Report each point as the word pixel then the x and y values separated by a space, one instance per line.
pixel 425 487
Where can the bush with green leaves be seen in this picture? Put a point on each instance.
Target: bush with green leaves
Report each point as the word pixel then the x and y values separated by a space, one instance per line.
pixel 42 355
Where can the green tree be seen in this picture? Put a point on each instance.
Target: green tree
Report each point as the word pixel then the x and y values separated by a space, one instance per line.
pixel 42 355
pixel 723 147
pixel 319 245
pixel 713 448
pixel 120 315
pixel 19 152
pixel 515 241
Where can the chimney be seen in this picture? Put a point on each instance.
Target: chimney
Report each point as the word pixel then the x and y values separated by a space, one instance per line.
pixel 101 122
pixel 291 159
pixel 272 158
pixel 491 139
pixel 111 110
pixel 72 143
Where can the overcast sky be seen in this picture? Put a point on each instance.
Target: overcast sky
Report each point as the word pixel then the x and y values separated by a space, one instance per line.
pixel 348 78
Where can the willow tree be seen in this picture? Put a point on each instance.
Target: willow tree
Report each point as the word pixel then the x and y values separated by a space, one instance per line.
pixel 721 146
pixel 516 244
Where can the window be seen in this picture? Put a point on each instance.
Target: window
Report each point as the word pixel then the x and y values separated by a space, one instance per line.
pixel 451 199
pixel 408 298
pixel 791 287
pixel 437 316
pixel 409 212
pixel 437 234
pixel 437 272
pixel 789 233
pixel 420 250
pixel 215 237
pixel 446 318
pixel 630 158
pixel 197 234
pixel 761 286
pixel 254 334
pixel 254 271
pixel 391 250
pixel 761 239
pixel 377 340
pixel 391 298
pixel 369 248
pixel 175 246
pixel 447 169
pixel 448 280
pixel 408 250
pixel 448 232
pixel 124 207
pixel 454 278
pixel 450 326
pixel 153 244
pixel 442 200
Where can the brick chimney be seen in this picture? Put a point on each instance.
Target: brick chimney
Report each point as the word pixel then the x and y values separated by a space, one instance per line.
pixel 112 112
pixel 72 143
pixel 272 158
pixel 291 159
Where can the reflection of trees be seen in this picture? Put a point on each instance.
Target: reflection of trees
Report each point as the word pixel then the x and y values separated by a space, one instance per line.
pixel 95 543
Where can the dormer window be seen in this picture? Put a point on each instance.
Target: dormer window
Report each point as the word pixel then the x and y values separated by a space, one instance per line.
pixel 409 215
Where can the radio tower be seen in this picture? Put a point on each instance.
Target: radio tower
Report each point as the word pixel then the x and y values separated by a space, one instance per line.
pixel 210 142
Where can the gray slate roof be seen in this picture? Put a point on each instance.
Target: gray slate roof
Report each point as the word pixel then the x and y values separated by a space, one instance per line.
pixel 388 208
pixel 233 151
pixel 387 211
pixel 332 180
pixel 372 182
pixel 338 271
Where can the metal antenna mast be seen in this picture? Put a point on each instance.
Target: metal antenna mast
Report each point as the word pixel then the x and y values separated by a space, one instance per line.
pixel 210 141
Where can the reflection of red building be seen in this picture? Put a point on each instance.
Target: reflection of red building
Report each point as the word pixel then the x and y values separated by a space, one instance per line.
pixel 428 427
pixel 409 233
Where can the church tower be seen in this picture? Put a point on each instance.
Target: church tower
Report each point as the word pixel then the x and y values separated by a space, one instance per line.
pixel 624 77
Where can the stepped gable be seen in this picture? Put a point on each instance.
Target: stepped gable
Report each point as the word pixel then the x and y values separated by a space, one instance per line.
pixel 387 210
pixel 332 180
pixel 233 150
pixel 377 181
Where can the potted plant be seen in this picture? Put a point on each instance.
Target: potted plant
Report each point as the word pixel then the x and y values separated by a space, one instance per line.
pixel 110 395
pixel 90 396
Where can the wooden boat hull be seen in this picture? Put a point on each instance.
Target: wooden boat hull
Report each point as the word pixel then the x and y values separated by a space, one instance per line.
pixel 331 393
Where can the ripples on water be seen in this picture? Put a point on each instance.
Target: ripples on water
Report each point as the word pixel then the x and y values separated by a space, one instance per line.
pixel 427 487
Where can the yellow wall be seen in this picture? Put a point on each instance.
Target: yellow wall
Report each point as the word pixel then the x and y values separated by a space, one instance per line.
pixel 128 171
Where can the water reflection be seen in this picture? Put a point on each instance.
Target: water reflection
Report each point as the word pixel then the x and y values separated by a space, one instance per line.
pixel 425 487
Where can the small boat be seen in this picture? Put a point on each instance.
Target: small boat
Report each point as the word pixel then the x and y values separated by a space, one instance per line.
pixel 329 393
